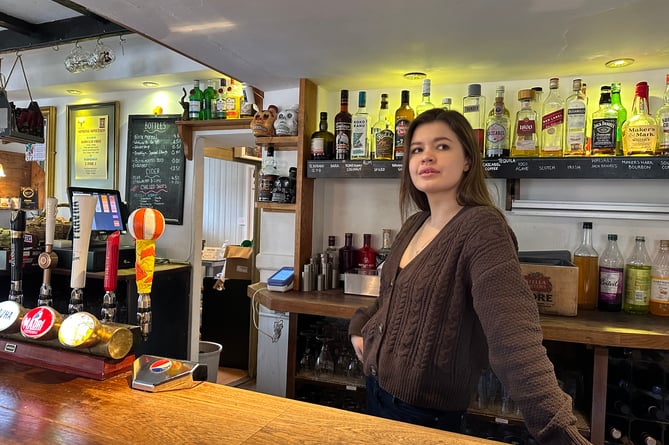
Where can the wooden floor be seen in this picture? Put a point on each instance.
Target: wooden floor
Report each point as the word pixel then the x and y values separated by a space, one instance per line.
pixel 235 377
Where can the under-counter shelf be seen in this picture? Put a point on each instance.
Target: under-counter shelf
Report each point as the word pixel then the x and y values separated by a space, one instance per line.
pixel 275 207
pixel 595 167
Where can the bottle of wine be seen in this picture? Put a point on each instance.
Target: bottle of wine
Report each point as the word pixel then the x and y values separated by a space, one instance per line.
pixel 611 270
pixel 637 279
pixel 425 103
pixel 586 259
pixel 648 406
pixel 552 122
pixel 383 139
pixel 404 115
pixel 576 107
pixel 604 125
pixel 342 127
pixel 195 102
pixel 360 130
pixel 322 141
pixel 639 132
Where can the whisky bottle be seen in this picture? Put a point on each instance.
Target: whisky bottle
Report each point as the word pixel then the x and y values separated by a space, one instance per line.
pixel 552 122
pixel 219 110
pixel 322 141
pixel 604 125
pixel 659 281
pixel 497 131
pixel 383 252
pixel 360 130
pixel 473 108
pixel 382 135
pixel 195 102
pixel 622 116
pixel 499 95
pixel 639 132
pixel 425 103
pixel 342 127
pixel 576 120
pixel 662 118
pixel 525 137
pixel 367 254
pixel 637 279
pixel 586 259
pixel 209 100
pixel 611 268
pixel 404 115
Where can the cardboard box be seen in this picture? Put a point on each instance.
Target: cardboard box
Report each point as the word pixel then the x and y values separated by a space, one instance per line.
pixel 555 288
pixel 238 263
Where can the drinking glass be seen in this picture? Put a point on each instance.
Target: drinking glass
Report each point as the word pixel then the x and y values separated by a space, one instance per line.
pixel 324 365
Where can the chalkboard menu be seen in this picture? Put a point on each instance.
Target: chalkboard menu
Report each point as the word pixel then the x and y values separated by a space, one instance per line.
pixel 156 167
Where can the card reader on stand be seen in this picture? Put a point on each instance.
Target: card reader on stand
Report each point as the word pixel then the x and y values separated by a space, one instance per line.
pixel 281 280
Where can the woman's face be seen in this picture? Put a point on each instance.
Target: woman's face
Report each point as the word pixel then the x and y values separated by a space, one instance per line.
pixel 437 160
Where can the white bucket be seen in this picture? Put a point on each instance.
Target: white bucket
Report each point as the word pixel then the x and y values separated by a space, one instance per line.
pixel 210 355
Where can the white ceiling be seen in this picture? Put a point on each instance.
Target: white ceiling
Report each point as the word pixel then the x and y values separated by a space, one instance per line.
pixel 370 43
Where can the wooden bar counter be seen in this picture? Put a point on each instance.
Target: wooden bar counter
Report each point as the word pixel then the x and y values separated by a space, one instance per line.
pixel 39 406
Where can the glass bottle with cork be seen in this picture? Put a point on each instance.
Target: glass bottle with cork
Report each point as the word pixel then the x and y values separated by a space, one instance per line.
pixel 322 141
pixel 360 130
pixel 404 115
pixel 611 271
pixel 586 259
pixel 342 127
pixel 525 137
pixel 383 138
pixel 552 122
pixel 659 281
pixel 473 108
pixel 604 125
pixel 636 298
pixel 639 132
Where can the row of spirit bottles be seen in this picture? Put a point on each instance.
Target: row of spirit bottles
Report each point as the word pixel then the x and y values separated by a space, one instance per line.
pixel 219 101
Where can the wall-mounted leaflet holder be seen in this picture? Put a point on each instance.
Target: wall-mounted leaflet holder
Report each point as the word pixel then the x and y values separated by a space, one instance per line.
pixel 281 280
pixel 20 125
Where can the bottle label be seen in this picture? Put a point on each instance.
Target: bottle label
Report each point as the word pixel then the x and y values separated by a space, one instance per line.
pixel 576 118
pixel 359 141
pixel 604 133
pixel 342 140
pixel 471 108
pixel 496 133
pixel 384 145
pixel 551 120
pixel 317 147
pixel 659 289
pixel 637 285
pixel 401 128
pixel 610 284
pixel 641 138
pixel 663 138
pixel 231 108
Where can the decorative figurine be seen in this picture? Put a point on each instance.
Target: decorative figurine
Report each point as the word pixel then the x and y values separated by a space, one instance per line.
pixel 263 122
pixel 286 122
pixel 185 105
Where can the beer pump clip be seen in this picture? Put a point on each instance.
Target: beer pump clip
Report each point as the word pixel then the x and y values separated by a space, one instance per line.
pixel 154 374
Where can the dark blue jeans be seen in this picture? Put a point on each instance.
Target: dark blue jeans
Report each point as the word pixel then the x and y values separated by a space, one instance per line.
pixel 382 404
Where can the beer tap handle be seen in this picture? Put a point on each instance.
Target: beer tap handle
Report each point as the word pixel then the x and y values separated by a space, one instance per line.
pixel 83 207
pixel 17 224
pixel 144 314
pixel 48 259
pixel 111 275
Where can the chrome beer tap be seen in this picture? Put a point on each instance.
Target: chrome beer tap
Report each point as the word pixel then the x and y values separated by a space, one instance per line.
pixel 17 224
pixel 48 258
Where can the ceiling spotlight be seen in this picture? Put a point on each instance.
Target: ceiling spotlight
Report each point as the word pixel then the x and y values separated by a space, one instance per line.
pixel 150 84
pixel 74 92
pixel 619 63
pixel 415 75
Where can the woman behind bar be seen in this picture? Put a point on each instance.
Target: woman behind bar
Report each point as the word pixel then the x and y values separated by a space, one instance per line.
pixel 452 298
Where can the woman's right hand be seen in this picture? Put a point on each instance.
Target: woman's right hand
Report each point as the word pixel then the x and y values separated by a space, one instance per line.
pixel 357 343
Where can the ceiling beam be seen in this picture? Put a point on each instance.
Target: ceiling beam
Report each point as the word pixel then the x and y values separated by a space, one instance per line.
pixel 16 24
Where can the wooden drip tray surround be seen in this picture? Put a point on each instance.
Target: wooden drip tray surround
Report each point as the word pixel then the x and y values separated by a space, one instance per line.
pixel 69 362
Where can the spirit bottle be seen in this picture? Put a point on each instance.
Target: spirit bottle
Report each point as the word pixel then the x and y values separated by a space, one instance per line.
pixel 499 95
pixel 383 252
pixel 195 102
pixel 382 134
pixel 348 255
pixel 639 132
pixel 497 130
pixel 209 100
pixel 552 122
pixel 233 100
pixel 360 129
pixel 587 261
pixel 367 254
pixel 342 126
pixel 219 110
pixel 662 118
pixel 637 279
pixel 333 252
pixel 322 141
pixel 269 173
pixel 525 138
pixel 604 125
pixel 576 107
pixel 537 101
pixel 622 116
pixel 611 268
pixel 425 103
pixel 659 281
pixel 404 115
pixel 473 108
pixel 446 103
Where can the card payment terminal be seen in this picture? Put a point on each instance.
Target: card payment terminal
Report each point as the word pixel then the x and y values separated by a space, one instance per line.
pixel 281 280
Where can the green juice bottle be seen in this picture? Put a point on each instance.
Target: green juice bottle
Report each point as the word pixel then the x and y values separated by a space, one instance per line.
pixel 636 298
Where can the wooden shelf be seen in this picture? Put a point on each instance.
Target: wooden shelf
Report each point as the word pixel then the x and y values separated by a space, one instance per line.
pixel 275 207
pixel 186 129
pixel 280 142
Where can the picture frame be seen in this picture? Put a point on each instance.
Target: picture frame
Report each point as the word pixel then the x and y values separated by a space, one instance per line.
pixel 93 145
